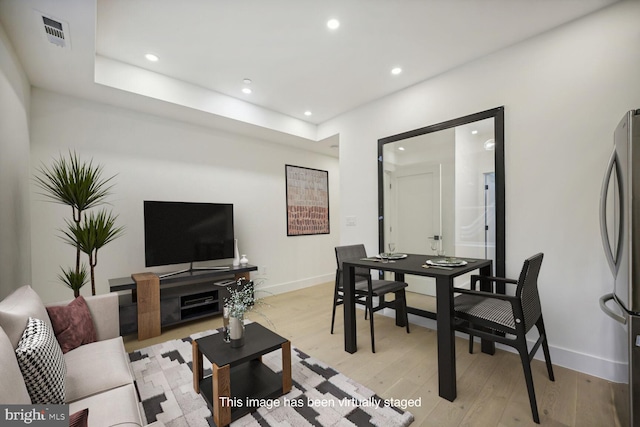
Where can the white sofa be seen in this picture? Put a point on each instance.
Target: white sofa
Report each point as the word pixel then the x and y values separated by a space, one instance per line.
pixel 98 375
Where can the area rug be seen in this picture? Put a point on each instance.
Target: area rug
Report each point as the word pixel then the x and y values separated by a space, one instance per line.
pixel 164 381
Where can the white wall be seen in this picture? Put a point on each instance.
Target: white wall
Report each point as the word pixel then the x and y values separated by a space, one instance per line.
pixel 160 159
pixel 14 171
pixel 564 93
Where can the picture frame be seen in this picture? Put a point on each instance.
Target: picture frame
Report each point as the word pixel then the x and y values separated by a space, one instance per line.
pixel 307 201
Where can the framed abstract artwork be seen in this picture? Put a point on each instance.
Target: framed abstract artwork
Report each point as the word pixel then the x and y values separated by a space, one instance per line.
pixel 307 201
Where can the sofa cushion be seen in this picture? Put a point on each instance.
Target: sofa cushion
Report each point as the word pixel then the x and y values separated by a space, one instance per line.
pixel 16 309
pixel 72 324
pixel 115 407
pixel 13 390
pixel 96 367
pixel 42 363
pixel 79 419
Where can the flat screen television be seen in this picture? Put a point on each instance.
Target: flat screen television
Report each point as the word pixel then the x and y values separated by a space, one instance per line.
pixel 187 232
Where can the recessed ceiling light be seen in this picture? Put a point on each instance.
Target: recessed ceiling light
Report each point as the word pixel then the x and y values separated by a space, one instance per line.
pixel 490 144
pixel 246 81
pixel 246 90
pixel 396 71
pixel 333 24
pixel 307 113
pixel 401 148
pixel 151 57
pixel 474 132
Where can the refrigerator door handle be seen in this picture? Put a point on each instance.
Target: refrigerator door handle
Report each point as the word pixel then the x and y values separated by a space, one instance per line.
pixel 612 258
pixel 621 318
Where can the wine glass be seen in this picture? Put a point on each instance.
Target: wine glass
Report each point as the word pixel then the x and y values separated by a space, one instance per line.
pixel 392 248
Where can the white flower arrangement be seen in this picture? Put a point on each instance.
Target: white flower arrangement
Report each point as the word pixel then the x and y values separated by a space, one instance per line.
pixel 242 299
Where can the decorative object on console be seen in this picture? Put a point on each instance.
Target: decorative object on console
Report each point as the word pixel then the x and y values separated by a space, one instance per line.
pixel 72 324
pixel 42 363
pixel 164 381
pixel 80 185
pixel 236 253
pixel 244 260
pixel 307 201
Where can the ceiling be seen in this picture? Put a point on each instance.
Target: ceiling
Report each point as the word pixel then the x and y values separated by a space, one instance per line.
pixel 294 61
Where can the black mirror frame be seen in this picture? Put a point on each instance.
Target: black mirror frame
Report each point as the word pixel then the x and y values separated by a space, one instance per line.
pixel 498 115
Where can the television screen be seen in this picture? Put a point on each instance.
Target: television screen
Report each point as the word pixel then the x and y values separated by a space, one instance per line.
pixel 179 232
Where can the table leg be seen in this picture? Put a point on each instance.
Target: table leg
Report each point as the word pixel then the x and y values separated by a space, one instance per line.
pixel 486 346
pixel 286 368
pixel 400 314
pixel 197 366
pixel 446 339
pixel 221 390
pixel 349 289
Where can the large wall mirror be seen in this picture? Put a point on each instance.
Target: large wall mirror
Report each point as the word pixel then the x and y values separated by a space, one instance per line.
pixel 441 189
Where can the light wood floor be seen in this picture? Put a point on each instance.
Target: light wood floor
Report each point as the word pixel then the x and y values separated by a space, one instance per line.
pixel 491 389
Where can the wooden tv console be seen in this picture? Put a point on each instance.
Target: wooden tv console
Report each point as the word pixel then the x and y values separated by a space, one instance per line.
pixel 148 302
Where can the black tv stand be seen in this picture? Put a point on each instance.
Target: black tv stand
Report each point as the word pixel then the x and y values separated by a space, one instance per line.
pixel 192 268
pixel 155 301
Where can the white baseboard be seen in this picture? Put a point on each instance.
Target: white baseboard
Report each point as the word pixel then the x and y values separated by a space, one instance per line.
pixel 281 288
pixel 585 363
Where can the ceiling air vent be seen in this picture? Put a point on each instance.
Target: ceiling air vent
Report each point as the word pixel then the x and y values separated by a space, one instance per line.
pixel 55 31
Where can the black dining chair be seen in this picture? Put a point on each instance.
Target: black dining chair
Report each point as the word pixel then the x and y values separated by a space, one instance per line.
pixel 507 318
pixel 367 288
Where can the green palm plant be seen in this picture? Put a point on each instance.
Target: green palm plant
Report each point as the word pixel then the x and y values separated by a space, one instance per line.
pixel 76 184
pixel 95 231
pixel 81 185
pixel 74 280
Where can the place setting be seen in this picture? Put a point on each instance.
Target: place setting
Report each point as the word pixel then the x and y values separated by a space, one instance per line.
pixel 392 255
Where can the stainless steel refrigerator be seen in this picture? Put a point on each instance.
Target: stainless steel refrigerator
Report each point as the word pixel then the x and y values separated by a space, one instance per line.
pixel 620 229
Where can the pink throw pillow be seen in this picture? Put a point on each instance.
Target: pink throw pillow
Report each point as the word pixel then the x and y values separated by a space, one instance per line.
pixel 79 419
pixel 72 324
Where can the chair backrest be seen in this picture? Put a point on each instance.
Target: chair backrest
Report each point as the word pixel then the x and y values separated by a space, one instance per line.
pixel 527 290
pixel 344 253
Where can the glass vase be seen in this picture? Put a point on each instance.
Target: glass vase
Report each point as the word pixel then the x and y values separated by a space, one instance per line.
pixel 236 331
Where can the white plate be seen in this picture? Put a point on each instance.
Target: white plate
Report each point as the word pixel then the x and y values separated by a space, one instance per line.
pixel 392 256
pixel 447 262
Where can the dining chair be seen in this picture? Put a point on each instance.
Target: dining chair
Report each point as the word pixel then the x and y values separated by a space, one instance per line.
pixel 367 288
pixel 507 318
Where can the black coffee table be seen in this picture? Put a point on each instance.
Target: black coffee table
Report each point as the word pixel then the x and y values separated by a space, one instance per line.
pixel 239 378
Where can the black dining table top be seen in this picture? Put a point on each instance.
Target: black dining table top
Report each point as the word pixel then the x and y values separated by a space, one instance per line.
pixel 413 264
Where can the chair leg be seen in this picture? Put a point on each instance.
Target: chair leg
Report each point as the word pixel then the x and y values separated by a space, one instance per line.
pixel 528 377
pixel 335 303
pixel 470 342
pixel 370 306
pixel 545 347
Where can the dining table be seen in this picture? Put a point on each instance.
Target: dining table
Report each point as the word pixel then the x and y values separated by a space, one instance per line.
pixel 418 265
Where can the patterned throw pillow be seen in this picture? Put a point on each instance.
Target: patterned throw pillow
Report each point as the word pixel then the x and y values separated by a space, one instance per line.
pixel 42 363
pixel 72 324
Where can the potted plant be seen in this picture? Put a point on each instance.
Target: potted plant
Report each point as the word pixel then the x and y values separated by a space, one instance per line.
pixel 80 185
pixel 241 300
